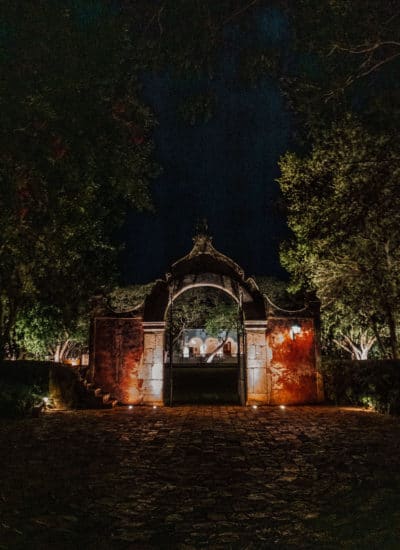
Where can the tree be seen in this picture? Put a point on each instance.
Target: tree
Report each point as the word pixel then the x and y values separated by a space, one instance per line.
pixel 349 331
pixel 206 308
pixel 343 209
pixel 339 65
pixel 40 331
pixel 75 153
pixel 222 319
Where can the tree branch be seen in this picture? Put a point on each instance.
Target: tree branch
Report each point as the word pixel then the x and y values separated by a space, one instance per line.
pixel 239 12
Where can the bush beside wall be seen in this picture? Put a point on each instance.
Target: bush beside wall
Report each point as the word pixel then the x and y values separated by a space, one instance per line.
pixel 24 384
pixel 371 384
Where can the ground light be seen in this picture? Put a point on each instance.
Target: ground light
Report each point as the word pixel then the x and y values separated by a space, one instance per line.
pixel 282 407
pixel 130 407
pixel 154 406
pixel 254 406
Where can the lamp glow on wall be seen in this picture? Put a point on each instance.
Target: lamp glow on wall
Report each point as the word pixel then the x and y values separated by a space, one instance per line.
pixel 294 331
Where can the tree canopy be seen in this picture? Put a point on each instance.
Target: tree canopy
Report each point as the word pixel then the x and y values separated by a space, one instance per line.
pixel 343 209
pixel 76 152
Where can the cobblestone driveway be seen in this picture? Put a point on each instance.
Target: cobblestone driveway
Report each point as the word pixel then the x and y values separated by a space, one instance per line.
pixel 201 477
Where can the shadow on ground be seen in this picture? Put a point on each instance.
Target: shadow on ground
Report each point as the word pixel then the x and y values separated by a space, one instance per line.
pixel 201 477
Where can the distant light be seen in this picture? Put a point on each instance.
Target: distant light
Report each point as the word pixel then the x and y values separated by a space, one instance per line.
pixel 282 407
pixel 46 400
pixel 254 406
pixel 295 329
pixel 130 407
pixel 154 406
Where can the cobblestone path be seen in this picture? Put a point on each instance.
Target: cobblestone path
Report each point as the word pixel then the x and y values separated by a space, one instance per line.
pixel 201 477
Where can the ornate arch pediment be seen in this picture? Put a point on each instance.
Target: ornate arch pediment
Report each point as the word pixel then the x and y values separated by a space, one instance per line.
pixel 205 266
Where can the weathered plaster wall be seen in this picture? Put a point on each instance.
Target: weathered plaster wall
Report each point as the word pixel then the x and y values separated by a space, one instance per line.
pixel 291 362
pixel 129 361
pixel 118 357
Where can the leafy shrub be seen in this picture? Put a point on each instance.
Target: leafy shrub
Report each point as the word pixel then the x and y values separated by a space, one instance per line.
pixel 23 384
pixel 372 384
pixel 18 400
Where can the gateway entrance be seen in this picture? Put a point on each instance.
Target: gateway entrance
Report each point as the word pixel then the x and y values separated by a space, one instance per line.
pixel 204 352
pixel 272 358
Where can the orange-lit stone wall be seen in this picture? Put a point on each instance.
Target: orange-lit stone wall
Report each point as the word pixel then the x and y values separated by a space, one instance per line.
pixel 118 355
pixel 128 361
pixel 292 362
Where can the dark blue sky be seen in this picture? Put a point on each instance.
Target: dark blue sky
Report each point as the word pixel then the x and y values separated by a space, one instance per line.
pixel 223 170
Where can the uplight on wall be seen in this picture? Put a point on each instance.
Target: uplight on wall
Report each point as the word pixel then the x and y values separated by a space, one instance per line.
pixel 294 331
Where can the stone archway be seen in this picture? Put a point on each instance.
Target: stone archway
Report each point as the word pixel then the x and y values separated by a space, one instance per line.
pixel 281 365
pixel 204 266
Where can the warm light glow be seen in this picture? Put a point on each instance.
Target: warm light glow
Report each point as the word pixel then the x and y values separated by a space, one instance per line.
pixel 255 407
pixel 130 407
pixel 296 329
pixel 46 400
pixel 282 407
pixel 154 406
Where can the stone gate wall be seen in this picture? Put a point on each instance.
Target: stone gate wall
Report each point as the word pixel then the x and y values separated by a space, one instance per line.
pixel 281 367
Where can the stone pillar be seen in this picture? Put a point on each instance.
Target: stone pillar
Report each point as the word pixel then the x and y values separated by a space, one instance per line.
pixel 152 368
pixel 258 385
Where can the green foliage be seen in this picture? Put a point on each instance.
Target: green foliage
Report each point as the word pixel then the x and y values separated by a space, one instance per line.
pixel 17 401
pixel 23 384
pixel 276 291
pixel 202 308
pixel 40 329
pixel 370 384
pixel 129 297
pixel 341 65
pixel 343 209
pixel 221 319
pixel 76 153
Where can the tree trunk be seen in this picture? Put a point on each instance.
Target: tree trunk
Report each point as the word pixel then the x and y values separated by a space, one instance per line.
pixel 57 353
pixel 378 338
pixel 214 353
pixel 393 334
pixel 64 349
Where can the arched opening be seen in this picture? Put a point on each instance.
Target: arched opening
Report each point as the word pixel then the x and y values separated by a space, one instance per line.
pixel 203 347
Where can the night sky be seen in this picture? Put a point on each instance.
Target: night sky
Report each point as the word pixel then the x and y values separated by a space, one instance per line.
pixel 223 170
